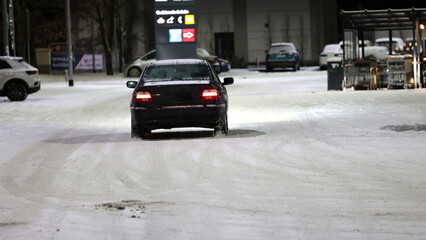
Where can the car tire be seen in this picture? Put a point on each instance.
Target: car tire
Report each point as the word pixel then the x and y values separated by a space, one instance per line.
pixel 139 132
pixel 134 72
pixel 295 67
pixel 16 92
pixel 222 127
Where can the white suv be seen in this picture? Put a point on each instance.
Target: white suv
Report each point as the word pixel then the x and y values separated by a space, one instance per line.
pixel 17 78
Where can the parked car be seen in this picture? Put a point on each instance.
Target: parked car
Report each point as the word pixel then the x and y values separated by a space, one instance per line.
pixel 349 52
pixel 282 55
pixel 17 78
pixel 178 93
pixel 328 52
pixel 225 66
pixel 135 68
pixel 397 44
pixel 369 49
pixel 378 52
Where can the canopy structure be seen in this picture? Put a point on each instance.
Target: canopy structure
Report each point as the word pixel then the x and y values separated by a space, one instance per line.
pixel 389 19
pixel 356 23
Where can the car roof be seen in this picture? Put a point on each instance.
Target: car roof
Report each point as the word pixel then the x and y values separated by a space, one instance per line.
pixel 394 39
pixel 177 62
pixel 11 58
pixel 281 44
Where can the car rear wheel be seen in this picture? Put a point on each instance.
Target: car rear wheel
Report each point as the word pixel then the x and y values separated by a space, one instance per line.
pixel 222 127
pixel 17 92
pixel 134 72
pixel 139 132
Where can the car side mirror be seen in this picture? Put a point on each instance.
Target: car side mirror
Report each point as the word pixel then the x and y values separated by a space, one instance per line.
pixel 228 81
pixel 131 84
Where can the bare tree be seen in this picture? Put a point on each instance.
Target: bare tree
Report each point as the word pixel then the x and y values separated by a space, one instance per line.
pixel 47 25
pixel 129 37
pixel 105 15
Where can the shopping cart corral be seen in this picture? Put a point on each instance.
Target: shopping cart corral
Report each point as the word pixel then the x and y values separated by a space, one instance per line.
pixel 362 75
pixel 403 68
pixel 400 71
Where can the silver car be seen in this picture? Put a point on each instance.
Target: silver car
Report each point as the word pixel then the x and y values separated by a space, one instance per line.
pixel 17 78
pixel 135 68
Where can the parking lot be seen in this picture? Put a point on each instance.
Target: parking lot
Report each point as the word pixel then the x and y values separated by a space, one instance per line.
pixel 300 162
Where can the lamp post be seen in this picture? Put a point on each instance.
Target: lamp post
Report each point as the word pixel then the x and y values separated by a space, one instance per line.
pixel 28 36
pixel 423 56
pixel 70 57
pixel 5 29
pixel 422 38
pixel 12 28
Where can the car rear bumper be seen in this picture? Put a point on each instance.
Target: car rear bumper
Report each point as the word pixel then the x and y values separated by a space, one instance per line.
pixel 178 116
pixel 34 88
pixel 281 63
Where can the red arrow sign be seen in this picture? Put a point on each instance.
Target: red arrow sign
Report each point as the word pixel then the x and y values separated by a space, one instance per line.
pixel 188 35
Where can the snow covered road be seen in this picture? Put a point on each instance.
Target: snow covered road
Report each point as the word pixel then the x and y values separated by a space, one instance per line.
pixel 299 163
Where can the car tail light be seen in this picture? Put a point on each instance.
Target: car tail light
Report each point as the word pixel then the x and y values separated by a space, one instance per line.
pixel 210 94
pixel 269 55
pixel 143 97
pixel 212 60
pixel 293 54
pixel 31 72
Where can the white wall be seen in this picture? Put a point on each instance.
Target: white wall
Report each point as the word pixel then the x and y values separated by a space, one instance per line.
pixel 213 17
pixel 218 17
pixel 285 16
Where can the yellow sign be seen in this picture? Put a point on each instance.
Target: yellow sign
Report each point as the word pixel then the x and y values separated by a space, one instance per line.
pixel 189 19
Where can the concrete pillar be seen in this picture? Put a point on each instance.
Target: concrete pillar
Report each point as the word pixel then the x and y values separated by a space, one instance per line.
pixel 323 21
pixel 240 29
pixel 149 27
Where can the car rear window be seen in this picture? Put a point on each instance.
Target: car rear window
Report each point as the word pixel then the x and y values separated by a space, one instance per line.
pixel 386 44
pixel 281 48
pixel 203 53
pixel 4 65
pixel 331 48
pixel 187 72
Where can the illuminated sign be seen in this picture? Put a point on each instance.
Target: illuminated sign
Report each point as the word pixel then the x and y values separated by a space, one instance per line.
pixel 175 29
pixel 181 35
pixel 189 19
pixel 175 35
pixel 188 35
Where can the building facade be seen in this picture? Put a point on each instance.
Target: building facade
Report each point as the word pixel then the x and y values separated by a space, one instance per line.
pixel 239 30
pixel 245 28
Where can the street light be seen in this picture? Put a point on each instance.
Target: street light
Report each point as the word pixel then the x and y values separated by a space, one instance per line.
pixel 69 43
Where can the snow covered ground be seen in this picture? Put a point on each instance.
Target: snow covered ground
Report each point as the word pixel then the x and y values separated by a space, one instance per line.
pixel 300 162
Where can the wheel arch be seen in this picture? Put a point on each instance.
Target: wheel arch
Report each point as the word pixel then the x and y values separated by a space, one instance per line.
pixel 15 80
pixel 131 67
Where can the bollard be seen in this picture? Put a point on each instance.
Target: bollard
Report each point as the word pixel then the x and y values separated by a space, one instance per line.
pixel 66 76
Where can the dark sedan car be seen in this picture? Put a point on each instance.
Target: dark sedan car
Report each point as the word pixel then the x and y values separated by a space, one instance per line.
pixel 178 93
